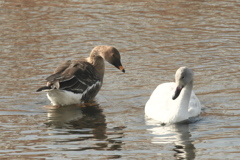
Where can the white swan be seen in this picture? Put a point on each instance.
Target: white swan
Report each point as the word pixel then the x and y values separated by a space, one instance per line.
pixel 174 101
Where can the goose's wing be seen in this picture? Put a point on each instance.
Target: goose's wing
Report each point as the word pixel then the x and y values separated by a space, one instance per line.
pixel 62 67
pixel 77 77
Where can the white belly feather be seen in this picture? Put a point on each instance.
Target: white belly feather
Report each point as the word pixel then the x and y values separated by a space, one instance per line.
pixel 61 97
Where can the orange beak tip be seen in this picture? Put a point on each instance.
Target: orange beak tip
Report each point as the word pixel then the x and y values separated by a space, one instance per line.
pixel 121 69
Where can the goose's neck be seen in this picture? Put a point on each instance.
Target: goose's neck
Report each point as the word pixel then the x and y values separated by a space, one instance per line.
pixel 97 61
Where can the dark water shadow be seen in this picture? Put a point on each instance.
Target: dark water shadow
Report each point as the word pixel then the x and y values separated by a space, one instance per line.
pixel 88 120
pixel 177 134
pixel 73 117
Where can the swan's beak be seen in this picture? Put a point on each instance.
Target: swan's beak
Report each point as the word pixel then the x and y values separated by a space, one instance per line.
pixel 177 92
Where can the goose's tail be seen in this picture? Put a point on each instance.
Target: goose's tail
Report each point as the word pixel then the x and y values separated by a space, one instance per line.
pixel 44 88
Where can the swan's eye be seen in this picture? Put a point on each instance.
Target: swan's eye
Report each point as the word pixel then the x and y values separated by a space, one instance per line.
pixel 182 77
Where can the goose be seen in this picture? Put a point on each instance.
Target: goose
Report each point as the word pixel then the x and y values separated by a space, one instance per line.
pixel 174 102
pixel 79 81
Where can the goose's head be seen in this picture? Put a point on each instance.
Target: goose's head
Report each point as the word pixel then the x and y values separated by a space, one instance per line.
pixel 183 76
pixel 111 55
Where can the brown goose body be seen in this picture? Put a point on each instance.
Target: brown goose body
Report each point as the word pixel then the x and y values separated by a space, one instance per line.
pixel 79 81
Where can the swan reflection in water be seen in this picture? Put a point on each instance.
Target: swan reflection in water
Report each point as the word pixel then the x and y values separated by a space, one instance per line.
pixel 87 123
pixel 178 134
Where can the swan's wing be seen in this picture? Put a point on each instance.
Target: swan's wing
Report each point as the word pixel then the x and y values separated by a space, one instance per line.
pixel 194 107
pixel 159 100
pixel 163 93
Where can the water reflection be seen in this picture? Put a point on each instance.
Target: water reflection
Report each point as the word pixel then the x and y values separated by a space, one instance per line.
pixel 178 134
pixel 78 117
pixel 88 124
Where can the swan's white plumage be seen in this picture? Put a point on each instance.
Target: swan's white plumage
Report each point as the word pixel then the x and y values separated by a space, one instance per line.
pixel 163 108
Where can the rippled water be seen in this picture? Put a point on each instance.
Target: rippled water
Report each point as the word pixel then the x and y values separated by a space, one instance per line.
pixel 154 38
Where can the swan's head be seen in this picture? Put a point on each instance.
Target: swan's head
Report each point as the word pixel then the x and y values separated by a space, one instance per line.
pixel 183 76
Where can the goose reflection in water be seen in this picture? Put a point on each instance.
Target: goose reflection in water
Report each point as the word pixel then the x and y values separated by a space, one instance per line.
pixel 68 116
pixel 84 123
pixel 178 134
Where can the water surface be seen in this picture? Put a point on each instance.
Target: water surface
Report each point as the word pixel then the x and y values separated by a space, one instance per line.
pixel 154 38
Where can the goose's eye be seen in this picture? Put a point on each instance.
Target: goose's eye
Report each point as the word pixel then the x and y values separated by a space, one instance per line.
pixel 182 77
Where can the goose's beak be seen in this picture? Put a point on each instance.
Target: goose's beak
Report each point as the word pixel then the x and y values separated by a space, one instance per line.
pixel 121 68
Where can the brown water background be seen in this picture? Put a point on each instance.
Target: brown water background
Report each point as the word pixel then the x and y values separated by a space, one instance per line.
pixel 154 38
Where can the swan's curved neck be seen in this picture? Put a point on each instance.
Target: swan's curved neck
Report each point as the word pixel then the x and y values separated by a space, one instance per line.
pixel 186 95
pixel 182 102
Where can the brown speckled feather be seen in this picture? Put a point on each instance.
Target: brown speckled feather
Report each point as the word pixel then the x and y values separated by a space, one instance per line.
pixel 77 77
pixel 79 81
